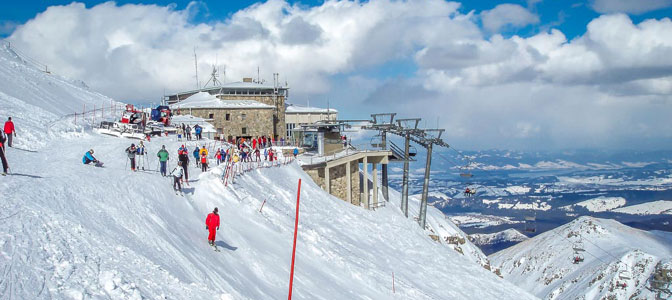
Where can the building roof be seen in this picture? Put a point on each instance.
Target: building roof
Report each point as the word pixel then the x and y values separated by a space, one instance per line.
pixel 205 100
pixel 293 108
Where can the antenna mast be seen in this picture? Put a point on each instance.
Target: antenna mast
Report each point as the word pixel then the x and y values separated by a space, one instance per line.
pixel 198 84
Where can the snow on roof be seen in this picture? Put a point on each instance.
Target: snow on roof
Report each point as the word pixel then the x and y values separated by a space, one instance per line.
pixel 293 108
pixel 191 121
pixel 206 100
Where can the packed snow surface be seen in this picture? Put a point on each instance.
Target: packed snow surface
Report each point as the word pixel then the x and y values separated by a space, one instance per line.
pixel 599 204
pixel 650 208
pixel 544 266
pixel 74 231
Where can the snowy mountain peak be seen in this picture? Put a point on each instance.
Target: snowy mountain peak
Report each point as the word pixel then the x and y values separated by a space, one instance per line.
pixel 610 254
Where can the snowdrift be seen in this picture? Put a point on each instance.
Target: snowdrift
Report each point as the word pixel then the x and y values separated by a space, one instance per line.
pixel 543 265
pixel 36 100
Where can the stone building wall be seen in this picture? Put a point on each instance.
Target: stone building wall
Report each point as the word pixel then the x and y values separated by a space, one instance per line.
pixel 258 122
pixel 338 181
pixel 281 129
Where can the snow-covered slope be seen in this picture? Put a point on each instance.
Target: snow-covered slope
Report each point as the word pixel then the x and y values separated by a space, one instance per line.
pixel 599 204
pixel 77 230
pixel 35 100
pixel 543 265
pixel 509 235
pixel 71 231
pixel 649 208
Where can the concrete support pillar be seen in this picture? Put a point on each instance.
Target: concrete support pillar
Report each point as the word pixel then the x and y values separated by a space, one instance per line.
pixel 365 180
pixel 327 183
pixel 404 184
pixel 348 177
pixel 383 169
pixel 425 189
pixel 374 169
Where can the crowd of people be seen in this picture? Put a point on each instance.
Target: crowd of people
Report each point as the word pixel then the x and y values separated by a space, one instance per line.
pixel 184 132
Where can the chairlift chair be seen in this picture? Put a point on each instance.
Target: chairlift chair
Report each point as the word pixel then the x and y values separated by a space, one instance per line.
pixel 624 275
pixel 577 258
pixel 412 151
pixel 578 247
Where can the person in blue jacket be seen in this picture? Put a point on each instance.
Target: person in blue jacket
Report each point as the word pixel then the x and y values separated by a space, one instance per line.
pixel 196 156
pixel 89 158
pixel 198 130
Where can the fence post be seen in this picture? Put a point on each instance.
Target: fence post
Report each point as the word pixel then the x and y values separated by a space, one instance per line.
pixel 296 228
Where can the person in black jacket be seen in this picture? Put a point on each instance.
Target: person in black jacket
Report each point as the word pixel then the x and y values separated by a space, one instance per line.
pixel 132 151
pixel 183 157
pixel 5 165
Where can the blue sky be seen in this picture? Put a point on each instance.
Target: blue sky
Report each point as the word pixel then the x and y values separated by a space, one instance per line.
pixel 570 16
pixel 529 74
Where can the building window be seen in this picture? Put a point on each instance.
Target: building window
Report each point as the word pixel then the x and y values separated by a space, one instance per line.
pixel 228 117
pixel 243 116
pixel 290 127
pixel 211 116
pixel 244 130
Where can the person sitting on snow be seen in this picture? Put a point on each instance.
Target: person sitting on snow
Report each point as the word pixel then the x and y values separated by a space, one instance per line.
pixel 89 158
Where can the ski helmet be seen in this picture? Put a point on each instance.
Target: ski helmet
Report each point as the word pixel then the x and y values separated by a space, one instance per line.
pixel 91 151
pixel 132 145
pixel 215 210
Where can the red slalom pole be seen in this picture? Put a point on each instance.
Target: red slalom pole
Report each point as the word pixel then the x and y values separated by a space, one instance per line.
pixel 296 228
pixel 262 205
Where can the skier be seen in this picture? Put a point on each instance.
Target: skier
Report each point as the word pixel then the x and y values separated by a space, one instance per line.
pixel 204 163
pixel 264 141
pixel 9 130
pixel 195 153
pixel 5 165
pixel 203 154
pixel 257 154
pixel 180 132
pixel 218 156
pixel 89 158
pixel 188 132
pixel 295 152
pixel 270 154
pixel 183 158
pixel 265 154
pixel 212 225
pixel 254 143
pixel 177 178
pixel 132 151
pixel 141 152
pixel 163 159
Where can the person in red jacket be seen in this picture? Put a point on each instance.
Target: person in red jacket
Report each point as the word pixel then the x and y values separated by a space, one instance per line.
pixel 9 131
pixel 212 225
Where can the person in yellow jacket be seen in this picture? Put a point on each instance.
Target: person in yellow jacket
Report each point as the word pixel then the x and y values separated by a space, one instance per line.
pixel 203 152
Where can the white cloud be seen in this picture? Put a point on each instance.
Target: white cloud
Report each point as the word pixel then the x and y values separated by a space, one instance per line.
pixel 135 51
pixel 629 6
pixel 507 14
pixel 608 87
